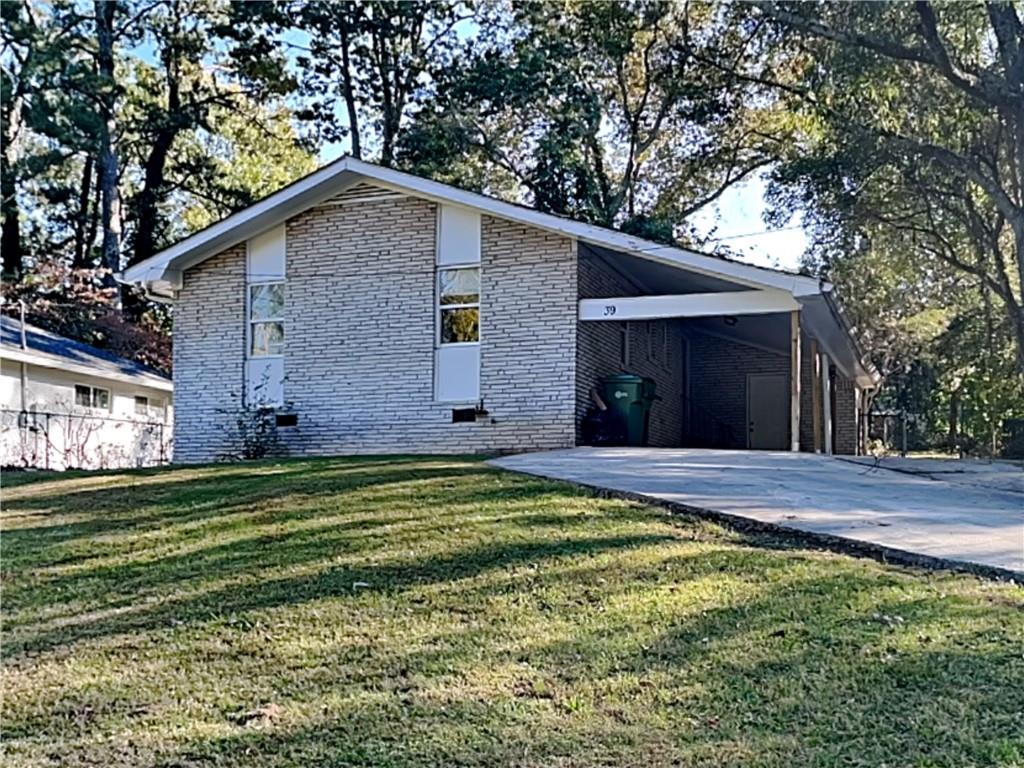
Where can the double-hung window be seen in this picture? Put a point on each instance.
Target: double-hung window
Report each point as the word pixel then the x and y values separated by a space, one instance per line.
pixel 266 319
pixel 458 292
pixel 92 397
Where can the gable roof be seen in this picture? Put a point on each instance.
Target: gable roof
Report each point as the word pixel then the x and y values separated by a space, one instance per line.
pixel 161 273
pixel 50 350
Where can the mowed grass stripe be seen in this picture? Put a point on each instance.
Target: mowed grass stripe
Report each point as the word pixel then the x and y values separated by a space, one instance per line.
pixel 409 611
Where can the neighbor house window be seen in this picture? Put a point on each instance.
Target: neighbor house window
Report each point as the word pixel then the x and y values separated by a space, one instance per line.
pixel 141 405
pixel 92 397
pixel 266 319
pixel 458 292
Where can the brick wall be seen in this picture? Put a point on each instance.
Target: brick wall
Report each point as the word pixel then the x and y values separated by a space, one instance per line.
pixel 209 357
pixel 599 352
pixel 718 378
pixel 359 360
pixel 806 395
pixel 845 415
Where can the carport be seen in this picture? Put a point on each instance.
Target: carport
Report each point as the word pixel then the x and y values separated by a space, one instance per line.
pixel 739 363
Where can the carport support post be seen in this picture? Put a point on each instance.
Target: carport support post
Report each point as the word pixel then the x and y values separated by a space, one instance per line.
pixel 794 380
pixel 826 402
pixel 816 395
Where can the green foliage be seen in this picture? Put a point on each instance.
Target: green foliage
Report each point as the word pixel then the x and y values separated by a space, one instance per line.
pixel 257 433
pixel 602 111
pixel 911 118
pixel 201 131
pixel 247 155
pixel 365 68
pixel 435 611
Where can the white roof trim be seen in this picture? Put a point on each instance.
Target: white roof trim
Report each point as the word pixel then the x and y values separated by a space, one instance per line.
pixel 57 363
pixel 161 273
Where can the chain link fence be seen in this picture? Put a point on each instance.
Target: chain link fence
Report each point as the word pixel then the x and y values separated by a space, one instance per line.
pixel 52 440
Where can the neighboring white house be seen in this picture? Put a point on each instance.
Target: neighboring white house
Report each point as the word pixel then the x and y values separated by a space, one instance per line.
pixel 64 405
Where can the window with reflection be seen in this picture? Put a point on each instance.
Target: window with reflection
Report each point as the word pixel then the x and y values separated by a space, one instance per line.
pixel 458 292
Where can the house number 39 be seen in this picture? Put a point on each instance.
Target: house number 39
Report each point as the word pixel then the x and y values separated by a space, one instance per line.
pixel 609 309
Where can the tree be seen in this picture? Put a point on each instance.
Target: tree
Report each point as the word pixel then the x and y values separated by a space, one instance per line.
pixel 109 176
pixel 148 114
pixel 178 95
pixel 364 65
pixel 20 48
pixel 603 111
pixel 941 160
pixel 248 154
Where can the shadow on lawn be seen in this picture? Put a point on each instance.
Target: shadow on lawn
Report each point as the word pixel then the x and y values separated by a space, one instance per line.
pixel 732 685
pixel 801 664
pixel 332 582
pixel 213 499
pixel 342 515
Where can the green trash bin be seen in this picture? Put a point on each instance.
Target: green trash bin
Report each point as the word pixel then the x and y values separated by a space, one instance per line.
pixel 629 398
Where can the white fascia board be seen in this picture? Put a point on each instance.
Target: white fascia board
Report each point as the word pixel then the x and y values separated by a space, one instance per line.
pixel 824 322
pixel 46 361
pixel 687 305
pixel 324 183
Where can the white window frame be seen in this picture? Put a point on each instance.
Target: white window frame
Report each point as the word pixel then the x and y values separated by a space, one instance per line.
pixel 250 322
pixel 439 307
pixel 145 405
pixel 92 397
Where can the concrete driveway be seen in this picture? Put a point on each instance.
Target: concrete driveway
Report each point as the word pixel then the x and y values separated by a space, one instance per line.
pixel 975 516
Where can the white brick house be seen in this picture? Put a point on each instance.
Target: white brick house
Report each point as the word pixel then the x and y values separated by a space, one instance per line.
pixel 380 312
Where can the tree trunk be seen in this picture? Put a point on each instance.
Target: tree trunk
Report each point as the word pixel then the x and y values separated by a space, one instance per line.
pixel 348 88
pixel 954 420
pixel 10 234
pixel 82 242
pixel 1016 310
pixel 149 198
pixel 108 170
pixel 10 237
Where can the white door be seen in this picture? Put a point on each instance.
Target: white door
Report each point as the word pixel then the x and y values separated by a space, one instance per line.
pixel 767 412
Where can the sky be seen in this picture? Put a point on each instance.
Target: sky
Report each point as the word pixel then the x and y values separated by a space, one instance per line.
pixel 737 219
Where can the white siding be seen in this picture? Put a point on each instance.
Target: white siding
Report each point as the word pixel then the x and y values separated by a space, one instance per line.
pixel 266 260
pixel 457 368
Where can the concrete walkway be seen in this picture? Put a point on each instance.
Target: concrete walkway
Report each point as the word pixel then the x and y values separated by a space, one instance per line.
pixel 971 518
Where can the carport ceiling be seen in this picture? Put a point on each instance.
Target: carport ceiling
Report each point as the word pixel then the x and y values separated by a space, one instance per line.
pixel 768 331
pixel 655 278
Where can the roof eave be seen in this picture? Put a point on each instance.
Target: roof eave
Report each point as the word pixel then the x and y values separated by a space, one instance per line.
pixel 167 266
pixel 867 375
pixel 58 363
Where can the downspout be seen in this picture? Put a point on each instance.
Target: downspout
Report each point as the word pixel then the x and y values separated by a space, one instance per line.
pixel 24 365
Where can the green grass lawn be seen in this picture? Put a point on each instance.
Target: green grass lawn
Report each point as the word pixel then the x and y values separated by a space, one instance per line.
pixel 429 612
